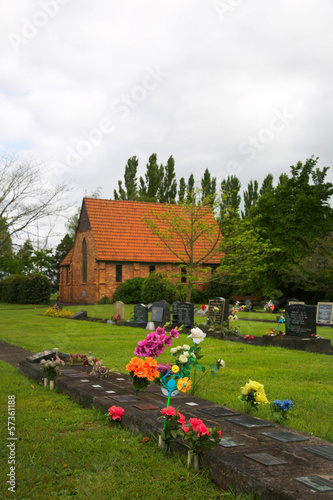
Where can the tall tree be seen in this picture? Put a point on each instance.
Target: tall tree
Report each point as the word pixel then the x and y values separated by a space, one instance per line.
pixel 267 185
pixel 182 189
pixel 250 197
pixel 230 197
pixel 6 251
pixel 131 183
pixel 149 185
pixel 61 251
pixel 190 190
pixel 168 188
pixel 208 187
pixel 25 195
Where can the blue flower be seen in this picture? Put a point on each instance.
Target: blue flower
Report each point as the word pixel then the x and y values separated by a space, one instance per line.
pixel 287 404
pixel 278 404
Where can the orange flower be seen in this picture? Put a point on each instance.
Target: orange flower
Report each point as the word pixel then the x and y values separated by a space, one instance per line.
pixel 184 384
pixel 143 368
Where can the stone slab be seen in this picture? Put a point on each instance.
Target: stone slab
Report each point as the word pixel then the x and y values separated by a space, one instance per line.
pixel 285 436
pixel 146 406
pixel 218 411
pixel 249 422
pixel 316 483
pixel 325 451
pixel 228 442
pixel 124 398
pixel 266 459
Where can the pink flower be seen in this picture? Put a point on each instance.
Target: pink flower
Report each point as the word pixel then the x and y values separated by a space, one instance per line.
pixel 220 433
pixel 185 429
pixel 169 411
pixel 202 430
pixel 181 419
pixel 116 412
pixel 247 337
pixel 174 333
pixel 195 422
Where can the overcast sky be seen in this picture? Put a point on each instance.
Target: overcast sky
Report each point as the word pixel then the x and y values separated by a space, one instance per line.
pixel 241 87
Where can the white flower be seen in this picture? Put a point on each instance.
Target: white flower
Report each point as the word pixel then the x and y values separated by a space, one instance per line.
pixel 193 355
pixel 197 335
pixel 186 347
pixel 221 362
pixel 186 353
pixel 173 350
pixel 215 309
pixel 236 318
pixel 179 348
pixel 231 318
pixel 182 358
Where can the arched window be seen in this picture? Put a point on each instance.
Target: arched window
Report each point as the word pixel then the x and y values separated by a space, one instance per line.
pixel 84 261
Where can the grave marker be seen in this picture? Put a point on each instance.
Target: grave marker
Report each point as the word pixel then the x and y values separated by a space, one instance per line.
pixel 325 313
pixel 300 320
pixel 160 312
pixel 119 308
pixel 183 313
pixel 221 315
pixel 141 314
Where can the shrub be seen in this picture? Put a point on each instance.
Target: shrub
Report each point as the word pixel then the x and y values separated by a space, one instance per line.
pixel 129 292
pixel 104 300
pixel 10 288
pixel 34 289
pixel 158 287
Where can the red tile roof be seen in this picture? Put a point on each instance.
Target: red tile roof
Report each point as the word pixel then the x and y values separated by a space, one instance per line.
pixel 67 259
pixel 120 233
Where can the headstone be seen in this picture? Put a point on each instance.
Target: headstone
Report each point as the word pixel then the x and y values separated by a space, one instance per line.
pixel 221 315
pixel 300 320
pixel 119 308
pixel 149 307
pixel 141 314
pixel 248 305
pixel 325 313
pixel 294 301
pixel 183 313
pixel 160 312
pixel 81 315
pixel 37 358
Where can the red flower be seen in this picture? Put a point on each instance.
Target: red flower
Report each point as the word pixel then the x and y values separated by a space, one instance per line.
pixel 116 412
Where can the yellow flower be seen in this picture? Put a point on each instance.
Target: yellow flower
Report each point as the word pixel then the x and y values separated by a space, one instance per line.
pixel 175 369
pixel 184 384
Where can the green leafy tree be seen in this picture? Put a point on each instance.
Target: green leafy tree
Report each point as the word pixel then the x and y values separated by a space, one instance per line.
pixel 150 184
pixel 61 251
pixel 267 185
pixel 189 230
pixel 182 189
pixel 250 197
pixel 190 191
pixel 208 187
pixel 168 185
pixel 6 251
pixel 130 179
pixel 230 197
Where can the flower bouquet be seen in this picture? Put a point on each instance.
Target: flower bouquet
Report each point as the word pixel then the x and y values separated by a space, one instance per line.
pixel 253 395
pixel 77 358
pixel 142 372
pixel 173 420
pixel 100 371
pixel 51 368
pixel 279 410
pixel 198 438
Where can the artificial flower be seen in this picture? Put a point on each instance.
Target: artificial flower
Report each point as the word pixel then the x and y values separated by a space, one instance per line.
pixel 197 335
pixel 182 358
pixel 116 412
pixel 184 384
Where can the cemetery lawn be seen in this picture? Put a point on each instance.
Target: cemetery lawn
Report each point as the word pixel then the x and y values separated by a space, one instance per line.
pixel 305 378
pixel 63 450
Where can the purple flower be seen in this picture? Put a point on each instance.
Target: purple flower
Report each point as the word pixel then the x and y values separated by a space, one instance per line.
pixel 174 333
pixel 164 369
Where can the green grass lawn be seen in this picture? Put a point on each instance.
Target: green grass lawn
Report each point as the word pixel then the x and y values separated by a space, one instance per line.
pixel 64 451
pixel 305 378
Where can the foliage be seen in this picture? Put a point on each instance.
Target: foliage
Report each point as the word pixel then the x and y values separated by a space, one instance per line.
pixel 55 312
pixel 280 410
pixel 104 300
pixel 190 231
pixel 131 188
pixel 173 419
pixel 129 291
pixel 51 367
pixel 253 395
pixel 230 197
pixel 158 287
pixel 199 438
pixel 34 289
pixel 208 186
pixel 10 289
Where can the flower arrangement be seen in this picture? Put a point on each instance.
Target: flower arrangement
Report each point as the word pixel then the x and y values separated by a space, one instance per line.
pixel 100 371
pixel 155 343
pixel 173 420
pixel 142 372
pixel 248 337
pixel 51 368
pixel 279 410
pixel 204 308
pixel 188 358
pixel 117 317
pixel 253 395
pixel 269 306
pixel 116 413
pixel 131 318
pixel 90 360
pixel 55 312
pixel 77 358
pixel 198 437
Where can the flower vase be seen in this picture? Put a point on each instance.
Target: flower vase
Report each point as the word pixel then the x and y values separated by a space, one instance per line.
pixel 51 385
pixel 45 381
pixel 161 442
pixel 195 460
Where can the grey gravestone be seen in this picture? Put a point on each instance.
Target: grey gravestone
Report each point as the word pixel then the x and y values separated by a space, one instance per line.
pixel 300 320
pixel 119 308
pixel 285 436
pixel 228 442
pixel 219 411
pixel 248 305
pixel 185 313
pixel 323 451
pixel 316 483
pixel 325 313
pixel 265 459
pixel 223 311
pixel 175 312
pixel 82 315
pixel 141 314
pixel 249 422
pixel 160 312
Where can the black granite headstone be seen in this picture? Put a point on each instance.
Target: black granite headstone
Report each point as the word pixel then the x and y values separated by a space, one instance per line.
pixel 160 312
pixel 222 314
pixel 140 313
pixel 37 358
pixel 300 320
pixel 175 312
pixel 185 313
